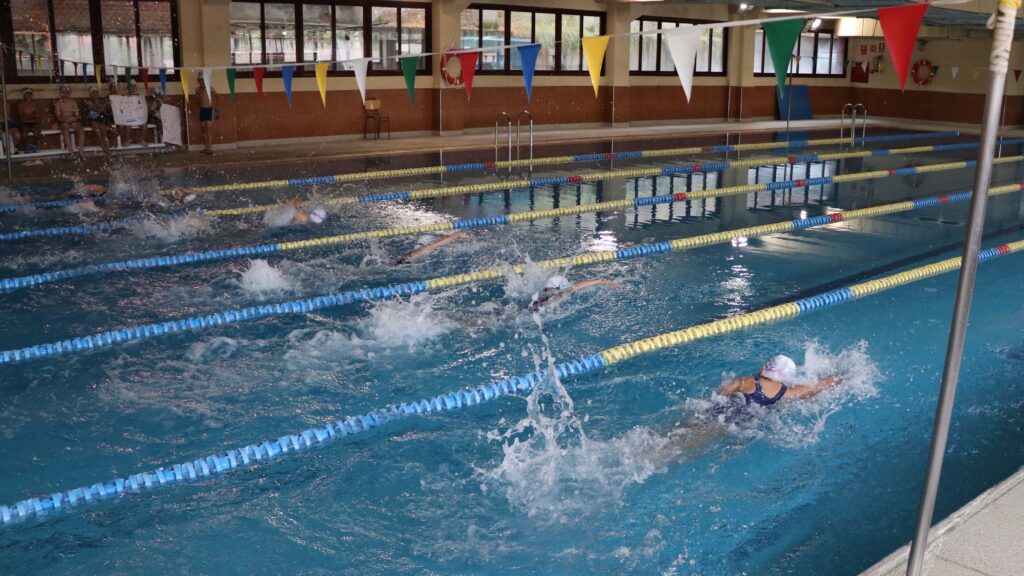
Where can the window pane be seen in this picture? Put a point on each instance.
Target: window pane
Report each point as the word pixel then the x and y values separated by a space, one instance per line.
pixel 246 38
pixel 839 57
pixel 494 35
pixel 667 65
pixel 279 26
pixel 348 39
pixel 521 33
pixel 649 48
pixel 806 64
pixel 718 50
pixel 157 36
pixel 544 32
pixel 821 64
pixel 591 26
pixel 316 33
pixel 702 51
pixel 470 25
pixel 120 45
pixel 32 37
pixel 413 33
pixel 74 36
pixel 570 42
pixel 634 46
pixel 761 60
pixel 385 37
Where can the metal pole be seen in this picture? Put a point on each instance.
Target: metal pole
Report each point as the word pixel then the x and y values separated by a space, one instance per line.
pixel 789 106
pixel 8 141
pixel 1001 44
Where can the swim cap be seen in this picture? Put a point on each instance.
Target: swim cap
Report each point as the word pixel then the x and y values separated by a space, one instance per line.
pixel 557 282
pixel 781 368
pixel 424 240
pixel 93 89
pixel 318 216
pixel 189 198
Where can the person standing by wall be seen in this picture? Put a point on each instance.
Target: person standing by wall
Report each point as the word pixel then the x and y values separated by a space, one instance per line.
pixel 207 113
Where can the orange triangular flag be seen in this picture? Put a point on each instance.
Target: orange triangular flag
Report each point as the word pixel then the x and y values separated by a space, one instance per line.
pixel 468 62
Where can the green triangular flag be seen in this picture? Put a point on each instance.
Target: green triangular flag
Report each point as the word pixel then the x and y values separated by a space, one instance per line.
pixel 128 78
pixel 782 37
pixel 409 66
pixel 231 81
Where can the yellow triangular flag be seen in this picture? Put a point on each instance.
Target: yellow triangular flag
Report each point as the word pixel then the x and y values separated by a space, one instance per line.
pixel 593 52
pixel 321 80
pixel 99 75
pixel 184 82
pixel 975 72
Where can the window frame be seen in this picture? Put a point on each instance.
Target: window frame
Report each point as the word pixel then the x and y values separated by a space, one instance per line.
pixel 306 69
pixel 533 11
pixel 814 57
pixel 660 50
pixel 96 31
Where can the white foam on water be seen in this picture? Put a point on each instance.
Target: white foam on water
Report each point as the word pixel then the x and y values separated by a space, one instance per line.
pixel 279 216
pixel 172 229
pixel 218 348
pixel 799 423
pixel 262 280
pixel 522 286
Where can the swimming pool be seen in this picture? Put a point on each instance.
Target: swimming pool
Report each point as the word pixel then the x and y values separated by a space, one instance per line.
pixel 827 487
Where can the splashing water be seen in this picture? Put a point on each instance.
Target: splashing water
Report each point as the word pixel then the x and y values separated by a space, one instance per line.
pixel 262 279
pixel 279 217
pixel 796 424
pixel 173 229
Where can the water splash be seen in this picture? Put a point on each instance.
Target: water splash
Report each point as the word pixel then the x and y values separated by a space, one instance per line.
pixel 262 280
pixel 173 229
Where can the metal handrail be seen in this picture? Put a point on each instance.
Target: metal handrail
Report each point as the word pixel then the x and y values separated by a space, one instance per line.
pixel 519 125
pixel 842 117
pixel 497 122
pixel 863 122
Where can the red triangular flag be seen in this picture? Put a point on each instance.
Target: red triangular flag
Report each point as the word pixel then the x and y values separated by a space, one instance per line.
pixel 144 72
pixel 1016 75
pixel 257 74
pixel 468 62
pixel 900 26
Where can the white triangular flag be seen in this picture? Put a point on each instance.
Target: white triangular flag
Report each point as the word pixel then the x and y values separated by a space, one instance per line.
pixel 359 67
pixel 954 70
pixel 683 44
pixel 208 80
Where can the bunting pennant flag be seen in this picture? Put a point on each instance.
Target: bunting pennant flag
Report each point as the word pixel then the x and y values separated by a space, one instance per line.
pixel 594 48
pixel 900 25
pixel 230 73
pixel 144 74
pixel 682 45
pixel 321 80
pixel 208 82
pixel 359 67
pixel 935 70
pixel 184 82
pixel 409 65
pixel 1016 75
pixel 163 81
pixel 85 73
pixel 976 72
pixel 782 37
pixel 286 75
pixel 257 76
pixel 954 70
pixel 528 55
pixel 99 75
pixel 468 62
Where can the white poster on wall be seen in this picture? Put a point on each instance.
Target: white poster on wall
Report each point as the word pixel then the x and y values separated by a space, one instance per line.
pixel 129 110
pixel 170 120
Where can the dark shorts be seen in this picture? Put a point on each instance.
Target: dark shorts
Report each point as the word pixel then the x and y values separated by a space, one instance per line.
pixel 98 117
pixel 206 114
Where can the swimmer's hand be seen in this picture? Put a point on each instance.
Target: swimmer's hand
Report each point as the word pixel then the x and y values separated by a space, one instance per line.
pixel 802 391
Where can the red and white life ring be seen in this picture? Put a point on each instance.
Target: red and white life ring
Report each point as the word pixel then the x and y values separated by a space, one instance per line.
pixel 915 72
pixel 451 69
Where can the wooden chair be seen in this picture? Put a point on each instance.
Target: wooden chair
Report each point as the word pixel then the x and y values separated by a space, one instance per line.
pixel 372 109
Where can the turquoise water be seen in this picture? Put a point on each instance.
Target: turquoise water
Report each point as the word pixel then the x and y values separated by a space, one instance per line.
pixel 580 480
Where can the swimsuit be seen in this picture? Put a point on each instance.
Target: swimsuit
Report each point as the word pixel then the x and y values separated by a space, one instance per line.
pixel 205 114
pixel 758 397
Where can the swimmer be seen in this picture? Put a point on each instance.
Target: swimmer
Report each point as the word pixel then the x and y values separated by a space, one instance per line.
pixel 769 385
pixel 559 287
pixel 88 195
pixel 183 196
pixel 293 214
pixel 427 245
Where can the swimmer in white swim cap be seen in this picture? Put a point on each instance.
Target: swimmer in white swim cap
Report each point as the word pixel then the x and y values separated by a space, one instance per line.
pixel 426 245
pixel 559 287
pixel 773 383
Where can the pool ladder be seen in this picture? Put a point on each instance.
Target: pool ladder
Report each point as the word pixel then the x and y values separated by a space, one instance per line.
pixel 853 108
pixel 505 119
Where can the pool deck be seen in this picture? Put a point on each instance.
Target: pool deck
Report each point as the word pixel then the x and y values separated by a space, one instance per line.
pixel 354 147
pixel 980 539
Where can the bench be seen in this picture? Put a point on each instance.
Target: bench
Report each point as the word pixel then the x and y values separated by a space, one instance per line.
pixel 117 145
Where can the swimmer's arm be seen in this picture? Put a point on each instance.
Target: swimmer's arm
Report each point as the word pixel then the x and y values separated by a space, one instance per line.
pixel 423 251
pixel 733 386
pixel 801 391
pixel 593 283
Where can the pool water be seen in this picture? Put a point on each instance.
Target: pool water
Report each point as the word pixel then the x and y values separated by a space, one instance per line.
pixel 615 471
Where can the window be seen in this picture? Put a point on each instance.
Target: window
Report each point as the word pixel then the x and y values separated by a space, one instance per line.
pixel 325 31
pixel 559 32
pixel 649 53
pixel 817 53
pixel 135 33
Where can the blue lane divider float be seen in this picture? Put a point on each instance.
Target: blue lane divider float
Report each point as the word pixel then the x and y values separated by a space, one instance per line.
pixel 72 230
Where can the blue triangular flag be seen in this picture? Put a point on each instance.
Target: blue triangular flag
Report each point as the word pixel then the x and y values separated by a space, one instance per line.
pixel 528 55
pixel 286 75
pixel 85 75
pixel 163 81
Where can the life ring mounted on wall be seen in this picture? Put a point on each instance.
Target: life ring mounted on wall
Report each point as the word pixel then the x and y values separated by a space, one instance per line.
pixel 916 72
pixel 451 68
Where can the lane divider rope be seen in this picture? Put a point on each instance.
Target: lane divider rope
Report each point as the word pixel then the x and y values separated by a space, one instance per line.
pixel 251 455
pixel 146 331
pixel 21 282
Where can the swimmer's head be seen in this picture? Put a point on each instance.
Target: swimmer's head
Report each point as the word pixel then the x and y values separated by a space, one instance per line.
pixel 318 216
pixel 780 368
pixel 557 283
pixel 64 89
pixel 94 89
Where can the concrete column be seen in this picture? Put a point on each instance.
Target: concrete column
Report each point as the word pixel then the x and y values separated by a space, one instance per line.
pixel 616 65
